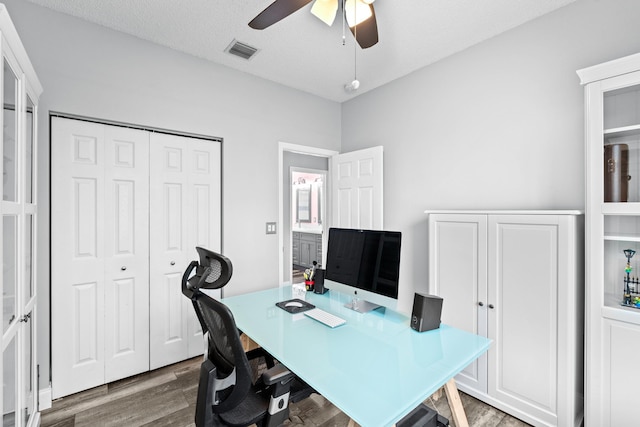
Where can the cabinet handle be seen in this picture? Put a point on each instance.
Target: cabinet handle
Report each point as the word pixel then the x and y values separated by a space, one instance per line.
pixel 173 263
pixel 123 268
pixel 491 306
pixel 481 304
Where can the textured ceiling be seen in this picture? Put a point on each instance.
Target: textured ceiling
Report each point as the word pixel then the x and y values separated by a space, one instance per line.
pixel 301 51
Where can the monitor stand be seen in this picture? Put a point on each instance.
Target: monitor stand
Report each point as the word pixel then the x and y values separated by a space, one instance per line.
pixel 362 306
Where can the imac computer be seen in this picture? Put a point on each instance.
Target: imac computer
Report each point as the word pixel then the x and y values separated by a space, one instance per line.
pixel 364 264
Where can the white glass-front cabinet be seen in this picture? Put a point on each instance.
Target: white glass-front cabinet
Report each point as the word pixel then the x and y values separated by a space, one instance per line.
pixel 612 334
pixel 20 92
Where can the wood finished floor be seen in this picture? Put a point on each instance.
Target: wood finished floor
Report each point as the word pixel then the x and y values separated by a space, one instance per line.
pixel 166 397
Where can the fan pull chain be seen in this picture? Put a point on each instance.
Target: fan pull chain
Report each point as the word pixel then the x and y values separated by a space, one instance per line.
pixel 355 45
pixel 344 19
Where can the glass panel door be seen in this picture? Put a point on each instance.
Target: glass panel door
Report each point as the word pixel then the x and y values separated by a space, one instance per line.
pixel 29 157
pixel 621 148
pixel 9 136
pixel 622 145
pixel 29 285
pixel 9 270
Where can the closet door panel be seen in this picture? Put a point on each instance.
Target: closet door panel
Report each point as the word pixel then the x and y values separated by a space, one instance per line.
pixel 203 219
pixel 77 295
pixel 126 252
pixel 185 213
pixel 169 310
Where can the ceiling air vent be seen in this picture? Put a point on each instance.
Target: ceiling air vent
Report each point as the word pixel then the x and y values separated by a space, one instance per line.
pixel 242 50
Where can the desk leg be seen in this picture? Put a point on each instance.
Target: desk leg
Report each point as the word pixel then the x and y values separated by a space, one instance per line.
pixel 247 343
pixel 457 410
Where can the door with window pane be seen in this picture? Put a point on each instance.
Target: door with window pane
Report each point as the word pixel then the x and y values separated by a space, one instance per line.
pixel 20 91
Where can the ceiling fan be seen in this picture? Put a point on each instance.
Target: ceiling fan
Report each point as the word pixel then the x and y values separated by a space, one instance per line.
pixel 359 13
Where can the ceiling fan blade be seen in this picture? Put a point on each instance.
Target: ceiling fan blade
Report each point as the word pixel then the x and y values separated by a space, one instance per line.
pixel 367 31
pixel 276 11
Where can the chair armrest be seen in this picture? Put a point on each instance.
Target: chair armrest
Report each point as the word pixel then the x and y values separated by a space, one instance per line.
pixel 277 374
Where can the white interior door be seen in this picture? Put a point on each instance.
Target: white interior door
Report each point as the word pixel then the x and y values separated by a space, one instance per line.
pixel 185 212
pixel 125 223
pixel 204 222
pixel 126 252
pixel 77 242
pixel 357 189
pixel 168 310
pixel 99 260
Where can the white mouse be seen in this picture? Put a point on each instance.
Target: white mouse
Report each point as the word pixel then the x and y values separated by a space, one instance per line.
pixel 293 304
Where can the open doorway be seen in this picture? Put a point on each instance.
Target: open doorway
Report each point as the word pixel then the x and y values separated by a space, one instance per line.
pixel 356 175
pixel 300 158
pixel 307 211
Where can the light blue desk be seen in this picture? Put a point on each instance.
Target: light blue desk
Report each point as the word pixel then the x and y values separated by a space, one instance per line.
pixel 375 368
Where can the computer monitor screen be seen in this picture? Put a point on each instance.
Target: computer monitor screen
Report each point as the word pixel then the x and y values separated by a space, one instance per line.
pixel 365 264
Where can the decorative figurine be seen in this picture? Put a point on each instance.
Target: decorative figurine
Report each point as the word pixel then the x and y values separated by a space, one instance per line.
pixel 626 300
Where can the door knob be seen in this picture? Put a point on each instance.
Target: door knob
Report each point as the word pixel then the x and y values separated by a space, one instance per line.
pixel 173 263
pixel 481 304
pixel 123 268
pixel 491 306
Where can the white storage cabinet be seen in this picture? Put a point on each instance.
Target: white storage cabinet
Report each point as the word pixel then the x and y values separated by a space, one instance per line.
pixel 516 278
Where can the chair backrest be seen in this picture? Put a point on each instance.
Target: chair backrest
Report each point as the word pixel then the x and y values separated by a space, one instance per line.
pixel 233 374
pixel 233 377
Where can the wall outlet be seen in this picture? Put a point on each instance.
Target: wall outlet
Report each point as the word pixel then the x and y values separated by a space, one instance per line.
pixel 271 228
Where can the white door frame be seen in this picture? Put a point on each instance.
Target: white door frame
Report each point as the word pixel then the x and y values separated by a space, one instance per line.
pixel 300 149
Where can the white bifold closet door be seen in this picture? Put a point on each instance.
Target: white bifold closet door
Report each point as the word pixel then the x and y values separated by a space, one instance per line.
pixel 185 206
pixel 99 258
pixel 116 296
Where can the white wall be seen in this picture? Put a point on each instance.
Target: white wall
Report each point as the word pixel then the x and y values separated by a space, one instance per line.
pixel 498 126
pixel 89 70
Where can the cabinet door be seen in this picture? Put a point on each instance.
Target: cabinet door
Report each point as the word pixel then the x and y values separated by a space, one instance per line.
pixel 523 312
pixel 307 250
pixel 295 248
pixel 623 344
pixel 457 273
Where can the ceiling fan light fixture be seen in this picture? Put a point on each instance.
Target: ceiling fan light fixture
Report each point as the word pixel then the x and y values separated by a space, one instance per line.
pixel 325 10
pixel 352 87
pixel 357 11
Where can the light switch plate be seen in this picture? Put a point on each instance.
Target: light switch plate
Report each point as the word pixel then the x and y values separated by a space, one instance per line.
pixel 271 228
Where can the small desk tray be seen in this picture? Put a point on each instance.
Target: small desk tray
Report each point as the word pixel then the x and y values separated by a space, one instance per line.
pixel 293 308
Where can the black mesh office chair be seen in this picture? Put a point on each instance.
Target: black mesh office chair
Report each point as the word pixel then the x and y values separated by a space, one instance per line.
pixel 226 394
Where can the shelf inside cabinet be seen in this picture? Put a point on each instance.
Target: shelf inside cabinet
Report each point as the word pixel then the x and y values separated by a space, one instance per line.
pixel 622 237
pixel 624 208
pixel 613 310
pixel 620 132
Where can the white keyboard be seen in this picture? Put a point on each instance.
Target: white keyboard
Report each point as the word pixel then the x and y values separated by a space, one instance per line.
pixel 323 317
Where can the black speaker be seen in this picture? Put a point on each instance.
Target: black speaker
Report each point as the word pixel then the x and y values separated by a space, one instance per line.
pixel 318 286
pixel 426 312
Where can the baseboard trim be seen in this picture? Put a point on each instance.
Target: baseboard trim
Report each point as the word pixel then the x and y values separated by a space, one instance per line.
pixel 44 399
